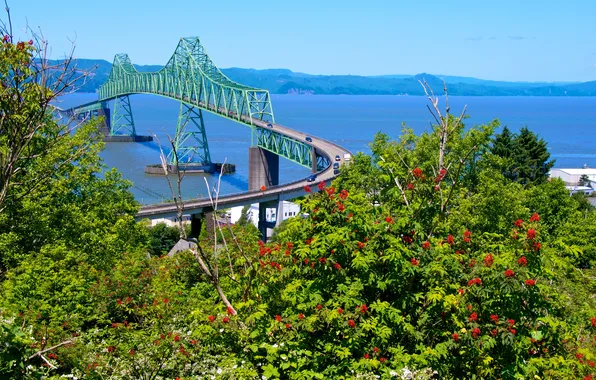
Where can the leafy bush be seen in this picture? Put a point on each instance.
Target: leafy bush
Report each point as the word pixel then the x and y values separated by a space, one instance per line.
pixel 162 239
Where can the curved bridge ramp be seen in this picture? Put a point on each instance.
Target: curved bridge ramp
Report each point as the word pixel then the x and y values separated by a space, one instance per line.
pixel 273 194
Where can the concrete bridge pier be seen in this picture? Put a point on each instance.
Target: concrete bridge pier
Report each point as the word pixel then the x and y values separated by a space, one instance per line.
pixel 279 215
pixel 263 170
pixel 105 126
pixel 196 223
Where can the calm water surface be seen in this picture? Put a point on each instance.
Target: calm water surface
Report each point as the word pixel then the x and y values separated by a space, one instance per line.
pixel 567 124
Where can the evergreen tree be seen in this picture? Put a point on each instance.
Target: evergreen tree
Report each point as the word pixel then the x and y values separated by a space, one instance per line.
pixel 584 180
pixel 522 157
pixel 245 216
pixel 531 158
pixel 503 144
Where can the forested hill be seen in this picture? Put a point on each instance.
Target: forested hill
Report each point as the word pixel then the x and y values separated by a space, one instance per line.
pixel 283 81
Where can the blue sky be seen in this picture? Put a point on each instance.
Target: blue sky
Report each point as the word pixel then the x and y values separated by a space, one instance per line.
pixel 522 40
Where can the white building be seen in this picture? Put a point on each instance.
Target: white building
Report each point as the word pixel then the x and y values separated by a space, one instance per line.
pixel 572 176
pixel 253 214
pixel 580 189
pixel 290 210
pixel 171 222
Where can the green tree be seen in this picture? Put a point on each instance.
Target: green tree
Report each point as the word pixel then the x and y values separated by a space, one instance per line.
pixel 502 147
pixel 32 144
pixel 245 218
pixel 51 186
pixel 162 238
pixel 584 180
pixel 531 158
pixel 521 157
pixel 503 144
pixel 400 172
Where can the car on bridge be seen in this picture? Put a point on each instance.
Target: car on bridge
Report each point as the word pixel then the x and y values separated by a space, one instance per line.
pixel 311 178
pixel 337 158
pixel 336 171
pixel 308 139
pixel 270 125
pixel 336 165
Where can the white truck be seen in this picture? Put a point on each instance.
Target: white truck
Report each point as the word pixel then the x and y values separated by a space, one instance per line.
pixel 347 156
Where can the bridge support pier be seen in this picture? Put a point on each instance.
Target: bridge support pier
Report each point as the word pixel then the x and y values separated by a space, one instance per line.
pixel 264 225
pixel 263 170
pixel 210 226
pixel 190 143
pixel 280 212
pixel 104 112
pixel 196 223
pixel 122 117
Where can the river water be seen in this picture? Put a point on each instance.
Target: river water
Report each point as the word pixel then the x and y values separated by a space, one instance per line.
pixel 568 124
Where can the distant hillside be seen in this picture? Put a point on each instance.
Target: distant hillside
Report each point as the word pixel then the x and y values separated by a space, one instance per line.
pixel 455 79
pixel 284 81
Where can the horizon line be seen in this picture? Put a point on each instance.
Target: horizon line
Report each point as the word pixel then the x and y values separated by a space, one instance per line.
pixel 376 75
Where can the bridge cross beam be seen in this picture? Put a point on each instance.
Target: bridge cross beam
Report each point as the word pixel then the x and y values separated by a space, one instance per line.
pixel 190 142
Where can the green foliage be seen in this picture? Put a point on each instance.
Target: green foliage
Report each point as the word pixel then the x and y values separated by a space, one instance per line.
pixel 245 218
pixel 523 157
pixel 584 180
pixel 407 173
pixel 162 239
pixel 420 296
pixel 492 207
pixel 52 189
pixel 552 201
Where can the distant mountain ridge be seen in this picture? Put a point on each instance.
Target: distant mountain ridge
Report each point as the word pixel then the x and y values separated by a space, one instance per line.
pixel 284 81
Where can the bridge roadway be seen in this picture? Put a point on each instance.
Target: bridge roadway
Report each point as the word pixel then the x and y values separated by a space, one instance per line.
pixel 272 194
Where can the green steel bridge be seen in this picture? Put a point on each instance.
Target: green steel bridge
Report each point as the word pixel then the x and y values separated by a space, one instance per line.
pixel 192 78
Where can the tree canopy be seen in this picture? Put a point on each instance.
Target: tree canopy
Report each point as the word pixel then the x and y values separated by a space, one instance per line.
pixel 524 156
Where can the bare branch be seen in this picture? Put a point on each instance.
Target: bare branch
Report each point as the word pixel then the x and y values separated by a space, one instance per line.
pixel 209 266
pixel 39 353
pixel 9 18
pixel 403 193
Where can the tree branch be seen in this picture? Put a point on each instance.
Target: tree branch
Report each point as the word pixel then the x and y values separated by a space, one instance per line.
pixel 39 353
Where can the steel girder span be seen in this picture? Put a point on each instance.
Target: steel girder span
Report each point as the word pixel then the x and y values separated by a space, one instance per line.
pixel 192 78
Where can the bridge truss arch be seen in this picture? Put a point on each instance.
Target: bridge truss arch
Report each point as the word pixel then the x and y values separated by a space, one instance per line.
pixel 191 77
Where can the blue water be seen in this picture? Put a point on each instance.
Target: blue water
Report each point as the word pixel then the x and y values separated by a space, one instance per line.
pixel 568 124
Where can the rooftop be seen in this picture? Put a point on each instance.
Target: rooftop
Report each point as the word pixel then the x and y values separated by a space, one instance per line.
pixel 576 171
